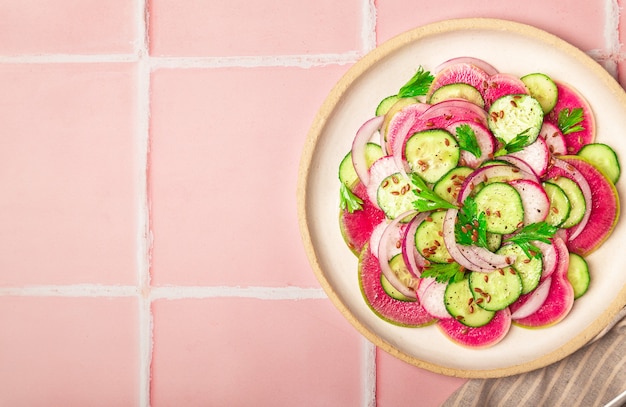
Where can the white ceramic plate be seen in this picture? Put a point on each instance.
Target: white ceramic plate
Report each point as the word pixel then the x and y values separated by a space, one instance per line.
pixel 511 48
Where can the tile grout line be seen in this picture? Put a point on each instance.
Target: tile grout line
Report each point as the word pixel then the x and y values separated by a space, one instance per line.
pixel 611 35
pixel 368 378
pixel 144 236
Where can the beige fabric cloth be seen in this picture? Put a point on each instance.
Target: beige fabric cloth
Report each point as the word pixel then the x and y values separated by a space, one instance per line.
pixel 592 376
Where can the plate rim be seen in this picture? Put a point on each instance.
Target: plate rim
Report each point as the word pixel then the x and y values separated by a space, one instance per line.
pixel 320 121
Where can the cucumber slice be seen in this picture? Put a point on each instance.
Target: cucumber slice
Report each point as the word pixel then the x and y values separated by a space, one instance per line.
pixel 394 195
pixel 528 268
pixel 385 104
pixel 502 206
pixel 578 274
pixel 494 241
pixel 513 115
pixel 496 290
pixel 559 204
pixel 347 174
pixel 461 305
pixel 458 91
pixel 576 200
pixel 399 267
pixel 429 239
pixel 604 158
pixel 432 153
pixel 542 87
pixel 449 185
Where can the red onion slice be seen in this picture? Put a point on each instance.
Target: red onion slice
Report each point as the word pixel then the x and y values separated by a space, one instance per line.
pixel 485 259
pixel 577 177
pixel 412 257
pixel 529 172
pixel 549 257
pixel 393 230
pixel 532 301
pixel 363 136
pixel 490 171
pixel 472 258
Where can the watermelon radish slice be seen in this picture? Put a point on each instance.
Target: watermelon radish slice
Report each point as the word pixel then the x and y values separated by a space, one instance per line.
pixel 536 155
pixel 560 298
pixel 357 227
pixel 484 139
pixel 431 293
pixel 570 98
pixel 554 138
pixel 605 208
pixel 403 313
pixel 534 200
pixel 477 62
pixel 502 84
pixel 462 72
pixel 479 337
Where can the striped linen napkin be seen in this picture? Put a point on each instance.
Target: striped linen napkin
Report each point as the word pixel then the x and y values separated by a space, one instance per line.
pixel 592 376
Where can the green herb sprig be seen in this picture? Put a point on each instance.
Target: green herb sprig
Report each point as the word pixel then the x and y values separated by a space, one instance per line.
pixel 569 120
pixel 540 231
pixel 418 85
pixel 444 272
pixel 467 140
pixel 425 198
pixel 471 228
pixel 348 200
pixel 516 144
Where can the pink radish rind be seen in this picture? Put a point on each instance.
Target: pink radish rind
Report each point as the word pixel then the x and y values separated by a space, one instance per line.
pixel 479 337
pixel 403 313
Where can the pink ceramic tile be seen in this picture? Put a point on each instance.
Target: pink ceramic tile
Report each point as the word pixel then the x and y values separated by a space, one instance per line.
pixel 67 26
pixel 68 352
pixel 258 27
pixel 582 25
pixel 244 352
pixel 68 174
pixel 225 151
pixel 401 384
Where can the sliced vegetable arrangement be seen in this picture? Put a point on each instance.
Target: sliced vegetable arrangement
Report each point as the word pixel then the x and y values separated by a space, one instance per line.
pixel 472 199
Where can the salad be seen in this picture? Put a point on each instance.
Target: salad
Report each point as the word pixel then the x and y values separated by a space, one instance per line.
pixel 472 199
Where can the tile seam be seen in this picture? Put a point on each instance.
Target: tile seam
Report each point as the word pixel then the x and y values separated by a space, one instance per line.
pixel 208 292
pixel 144 236
pixel 296 60
pixel 368 378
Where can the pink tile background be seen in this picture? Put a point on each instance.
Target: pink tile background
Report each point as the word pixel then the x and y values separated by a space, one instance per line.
pixel 147 149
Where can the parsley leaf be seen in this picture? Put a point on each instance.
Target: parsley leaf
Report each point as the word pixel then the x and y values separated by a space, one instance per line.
pixel 467 140
pixel 425 198
pixel 348 200
pixel 516 144
pixel 418 85
pixel 471 228
pixel 569 120
pixel 540 231
pixel 444 272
